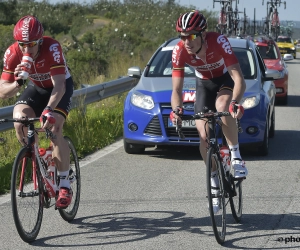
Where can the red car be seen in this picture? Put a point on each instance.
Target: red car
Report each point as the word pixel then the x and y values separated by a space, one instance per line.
pixel 270 53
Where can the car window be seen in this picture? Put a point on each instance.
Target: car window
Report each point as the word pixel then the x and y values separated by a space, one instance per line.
pixel 268 52
pixel 247 63
pixel 261 63
pixel 161 65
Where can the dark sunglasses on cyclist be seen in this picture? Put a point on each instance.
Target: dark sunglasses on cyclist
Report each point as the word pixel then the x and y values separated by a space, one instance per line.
pixel 190 37
pixel 29 44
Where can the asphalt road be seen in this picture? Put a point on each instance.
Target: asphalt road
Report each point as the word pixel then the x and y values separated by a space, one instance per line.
pixel 158 200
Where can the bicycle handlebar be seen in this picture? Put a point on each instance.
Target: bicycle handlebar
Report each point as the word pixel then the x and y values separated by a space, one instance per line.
pixel 27 121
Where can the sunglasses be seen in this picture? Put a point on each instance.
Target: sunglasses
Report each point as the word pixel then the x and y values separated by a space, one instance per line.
pixel 190 37
pixel 29 44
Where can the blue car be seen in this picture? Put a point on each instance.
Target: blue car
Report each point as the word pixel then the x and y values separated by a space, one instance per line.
pixel 147 105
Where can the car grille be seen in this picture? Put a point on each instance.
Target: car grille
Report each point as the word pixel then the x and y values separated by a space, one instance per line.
pixel 153 127
pixel 286 50
pixel 171 131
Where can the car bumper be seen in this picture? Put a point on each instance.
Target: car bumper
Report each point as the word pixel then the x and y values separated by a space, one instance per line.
pixel 152 128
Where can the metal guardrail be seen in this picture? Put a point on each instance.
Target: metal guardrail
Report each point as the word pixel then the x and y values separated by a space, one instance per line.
pixel 83 96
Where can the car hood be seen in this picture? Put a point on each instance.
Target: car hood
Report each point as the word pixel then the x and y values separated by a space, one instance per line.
pixel 160 88
pixel 273 64
pixel 285 45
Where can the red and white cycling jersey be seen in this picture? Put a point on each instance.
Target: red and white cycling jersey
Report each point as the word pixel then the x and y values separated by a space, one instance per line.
pixel 49 62
pixel 219 54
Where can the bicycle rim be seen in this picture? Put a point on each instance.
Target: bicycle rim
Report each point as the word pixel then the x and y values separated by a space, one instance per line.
pixel 236 202
pixel 218 219
pixel 70 212
pixel 27 203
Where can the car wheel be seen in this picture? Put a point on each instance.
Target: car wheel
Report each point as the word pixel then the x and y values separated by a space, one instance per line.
pixel 263 150
pixel 131 148
pixel 272 128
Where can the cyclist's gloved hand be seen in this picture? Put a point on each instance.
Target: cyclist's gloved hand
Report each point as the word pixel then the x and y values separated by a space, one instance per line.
pixel 175 114
pixel 236 110
pixel 47 116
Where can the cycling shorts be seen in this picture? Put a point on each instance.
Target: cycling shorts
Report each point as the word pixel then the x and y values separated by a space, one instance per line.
pixel 207 91
pixel 37 98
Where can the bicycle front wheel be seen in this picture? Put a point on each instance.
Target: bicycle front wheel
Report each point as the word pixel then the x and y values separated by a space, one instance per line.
pixel 70 212
pixel 236 202
pixel 26 196
pixel 216 200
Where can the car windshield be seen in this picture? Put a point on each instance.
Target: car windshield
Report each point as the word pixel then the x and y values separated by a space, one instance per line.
pixel 161 65
pixel 268 52
pixel 284 40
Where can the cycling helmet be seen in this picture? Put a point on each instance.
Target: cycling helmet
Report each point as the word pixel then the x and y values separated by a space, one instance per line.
pixel 27 29
pixel 193 20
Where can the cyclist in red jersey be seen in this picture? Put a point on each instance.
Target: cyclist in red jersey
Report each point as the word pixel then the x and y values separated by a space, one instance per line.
pixel 220 83
pixel 48 93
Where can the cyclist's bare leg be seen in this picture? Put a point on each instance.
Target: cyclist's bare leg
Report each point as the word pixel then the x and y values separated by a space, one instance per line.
pixel 203 144
pixel 22 110
pixel 229 124
pixel 61 149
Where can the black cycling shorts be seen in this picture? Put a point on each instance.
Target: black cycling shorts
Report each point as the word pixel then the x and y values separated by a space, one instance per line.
pixel 207 91
pixel 37 98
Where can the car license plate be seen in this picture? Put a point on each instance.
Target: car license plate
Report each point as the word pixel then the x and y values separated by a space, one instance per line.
pixel 185 123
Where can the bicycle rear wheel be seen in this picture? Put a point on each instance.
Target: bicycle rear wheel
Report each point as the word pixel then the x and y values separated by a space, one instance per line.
pixel 236 202
pixel 218 219
pixel 70 212
pixel 27 202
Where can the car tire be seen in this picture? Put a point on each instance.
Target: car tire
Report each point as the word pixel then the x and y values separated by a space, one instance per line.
pixel 272 128
pixel 263 150
pixel 131 148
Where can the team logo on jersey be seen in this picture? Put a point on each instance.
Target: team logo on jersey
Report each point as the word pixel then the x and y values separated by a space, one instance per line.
pixel 225 44
pixel 56 54
pixel 40 64
pixel 211 66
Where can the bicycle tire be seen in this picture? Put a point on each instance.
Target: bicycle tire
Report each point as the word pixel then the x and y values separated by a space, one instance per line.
pixel 69 213
pixel 236 202
pixel 218 220
pixel 31 202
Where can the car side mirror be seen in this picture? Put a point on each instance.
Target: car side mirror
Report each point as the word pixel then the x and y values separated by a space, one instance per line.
pixel 134 72
pixel 271 74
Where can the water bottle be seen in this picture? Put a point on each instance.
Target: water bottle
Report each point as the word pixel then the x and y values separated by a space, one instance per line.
pixel 46 155
pixel 224 151
pixel 27 63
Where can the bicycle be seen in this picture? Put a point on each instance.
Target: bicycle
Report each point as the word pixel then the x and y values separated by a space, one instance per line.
pixel 272 24
pixel 228 18
pixel 230 188
pixel 34 186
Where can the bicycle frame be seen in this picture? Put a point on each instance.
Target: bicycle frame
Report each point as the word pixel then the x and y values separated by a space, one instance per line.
pixel 38 163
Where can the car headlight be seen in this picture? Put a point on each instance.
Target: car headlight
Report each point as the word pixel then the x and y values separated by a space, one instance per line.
pixel 250 102
pixel 142 101
pixel 293 48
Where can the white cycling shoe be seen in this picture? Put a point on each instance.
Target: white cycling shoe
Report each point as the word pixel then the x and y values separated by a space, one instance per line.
pixel 240 170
